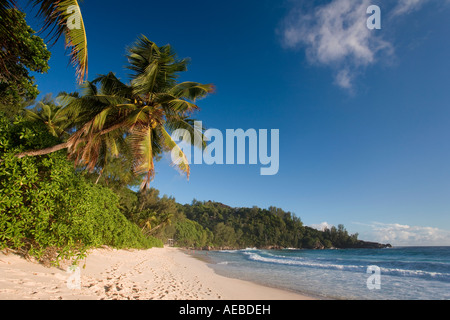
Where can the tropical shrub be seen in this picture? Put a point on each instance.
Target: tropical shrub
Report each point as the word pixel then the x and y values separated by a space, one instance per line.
pixel 45 203
pixel 192 234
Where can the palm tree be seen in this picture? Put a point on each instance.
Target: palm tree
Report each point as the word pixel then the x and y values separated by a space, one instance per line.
pixel 51 114
pixel 60 17
pixel 140 115
pixel 156 222
pixel 5 6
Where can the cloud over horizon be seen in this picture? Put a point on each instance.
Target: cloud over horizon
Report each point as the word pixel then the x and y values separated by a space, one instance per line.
pixel 405 235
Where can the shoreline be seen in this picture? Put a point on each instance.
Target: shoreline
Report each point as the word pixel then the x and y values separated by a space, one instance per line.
pixel 109 274
pixel 208 261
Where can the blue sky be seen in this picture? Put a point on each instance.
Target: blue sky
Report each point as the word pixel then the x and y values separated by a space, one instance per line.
pixel 363 114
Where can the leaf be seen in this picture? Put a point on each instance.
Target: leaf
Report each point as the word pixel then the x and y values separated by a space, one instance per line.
pixel 198 139
pixel 137 116
pixel 191 90
pixel 64 17
pixel 182 106
pixel 141 140
pixel 180 160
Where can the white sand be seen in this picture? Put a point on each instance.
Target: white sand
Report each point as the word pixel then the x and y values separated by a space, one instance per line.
pixel 160 274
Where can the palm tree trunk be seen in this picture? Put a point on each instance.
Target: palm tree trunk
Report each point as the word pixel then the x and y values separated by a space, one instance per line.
pixel 43 151
pixel 99 176
pixel 62 146
pixel 155 228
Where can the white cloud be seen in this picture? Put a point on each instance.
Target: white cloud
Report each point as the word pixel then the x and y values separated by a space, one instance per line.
pixel 335 35
pixel 405 235
pixel 321 226
pixel 344 79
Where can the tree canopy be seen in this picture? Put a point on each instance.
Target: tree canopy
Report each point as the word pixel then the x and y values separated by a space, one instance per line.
pixel 21 53
pixel 135 120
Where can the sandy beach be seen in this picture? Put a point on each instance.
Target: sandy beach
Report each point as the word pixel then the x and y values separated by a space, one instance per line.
pixel 157 274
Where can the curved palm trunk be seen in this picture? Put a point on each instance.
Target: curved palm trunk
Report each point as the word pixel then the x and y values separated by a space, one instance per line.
pixel 155 228
pixel 42 151
pixel 99 176
pixel 62 146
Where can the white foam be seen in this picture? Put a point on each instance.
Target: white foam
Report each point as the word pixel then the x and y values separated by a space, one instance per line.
pixel 298 261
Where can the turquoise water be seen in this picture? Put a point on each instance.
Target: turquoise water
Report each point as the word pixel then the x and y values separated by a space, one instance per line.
pixel 405 273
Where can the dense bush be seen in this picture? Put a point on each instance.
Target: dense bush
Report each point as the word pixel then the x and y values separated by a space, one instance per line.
pixel 45 203
pixel 191 234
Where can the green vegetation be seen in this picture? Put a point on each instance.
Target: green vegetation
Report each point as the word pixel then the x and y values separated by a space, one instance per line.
pixel 215 225
pixel 67 164
pixel 60 18
pixel 21 52
pixel 46 206
pixel 220 226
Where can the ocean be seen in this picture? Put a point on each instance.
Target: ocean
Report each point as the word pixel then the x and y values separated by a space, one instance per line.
pixel 401 273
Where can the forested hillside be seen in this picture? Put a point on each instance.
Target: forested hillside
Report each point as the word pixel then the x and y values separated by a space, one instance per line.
pixel 262 228
pixel 215 225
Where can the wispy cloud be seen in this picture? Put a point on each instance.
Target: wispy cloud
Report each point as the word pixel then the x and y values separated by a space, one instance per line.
pixel 406 235
pixel 344 79
pixel 335 35
pixel 407 6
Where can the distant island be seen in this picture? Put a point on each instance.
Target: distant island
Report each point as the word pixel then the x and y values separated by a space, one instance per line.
pixel 215 226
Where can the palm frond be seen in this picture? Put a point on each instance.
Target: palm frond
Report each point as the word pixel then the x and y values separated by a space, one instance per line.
pixel 31 116
pixel 141 139
pixel 111 85
pixel 196 133
pixel 5 5
pixel 5 17
pixel 50 114
pixel 63 17
pixel 179 158
pixel 91 104
pixel 154 68
pixel 172 104
pixel 191 90
pixel 137 116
